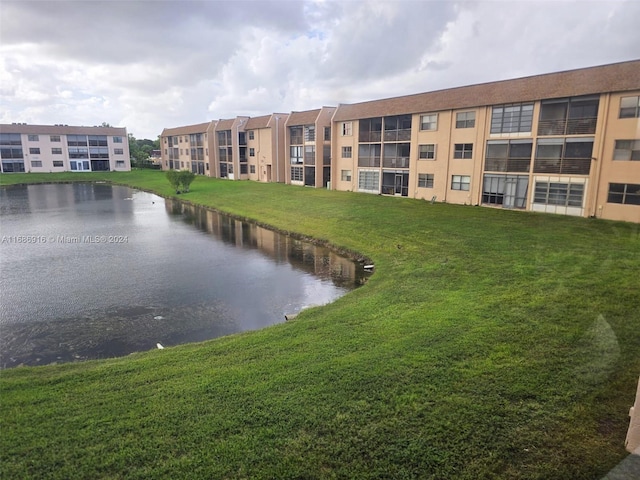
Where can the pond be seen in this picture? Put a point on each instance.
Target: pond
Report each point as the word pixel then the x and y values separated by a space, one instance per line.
pixel 95 271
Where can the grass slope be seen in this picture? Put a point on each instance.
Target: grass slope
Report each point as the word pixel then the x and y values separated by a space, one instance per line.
pixel 489 344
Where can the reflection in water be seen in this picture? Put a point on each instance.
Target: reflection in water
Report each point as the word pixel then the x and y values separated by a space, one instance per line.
pixel 184 274
pixel 320 261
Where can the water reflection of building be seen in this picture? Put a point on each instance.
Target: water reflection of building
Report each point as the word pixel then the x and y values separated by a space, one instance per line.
pixel 318 260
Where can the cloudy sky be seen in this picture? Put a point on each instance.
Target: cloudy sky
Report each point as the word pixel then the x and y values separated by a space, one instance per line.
pixel 152 64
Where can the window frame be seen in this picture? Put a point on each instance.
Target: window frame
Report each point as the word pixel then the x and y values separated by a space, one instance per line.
pixel 429 153
pixel 463 151
pixel 498 128
pixel 426 180
pixel 466 122
pixel 459 182
pixel 635 109
pixel 624 195
pixel 427 124
pixel 631 153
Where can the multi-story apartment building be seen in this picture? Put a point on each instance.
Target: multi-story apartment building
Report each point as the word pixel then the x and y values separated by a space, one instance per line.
pixel 266 144
pixel 566 142
pixel 62 148
pixel 308 143
pixel 188 148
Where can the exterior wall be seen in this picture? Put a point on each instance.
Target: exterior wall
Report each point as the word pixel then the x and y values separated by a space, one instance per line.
pixel 187 148
pixel 616 171
pixel 267 164
pixel 438 175
pixel 564 154
pixel 344 175
pixel 46 149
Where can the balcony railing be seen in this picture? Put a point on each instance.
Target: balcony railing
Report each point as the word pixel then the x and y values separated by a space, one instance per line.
pixel 573 126
pixel 576 166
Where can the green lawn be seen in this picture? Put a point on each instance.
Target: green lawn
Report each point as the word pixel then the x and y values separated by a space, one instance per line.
pixel 489 344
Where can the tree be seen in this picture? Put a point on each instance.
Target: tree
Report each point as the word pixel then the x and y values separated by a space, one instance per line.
pixel 180 180
pixel 174 179
pixel 186 177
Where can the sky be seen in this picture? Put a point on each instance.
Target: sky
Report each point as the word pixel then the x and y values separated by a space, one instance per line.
pixel 151 64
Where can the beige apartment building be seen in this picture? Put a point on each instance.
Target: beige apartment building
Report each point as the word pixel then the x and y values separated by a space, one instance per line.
pixel 188 148
pixel 566 143
pixel 308 143
pixel 63 148
pixel 266 147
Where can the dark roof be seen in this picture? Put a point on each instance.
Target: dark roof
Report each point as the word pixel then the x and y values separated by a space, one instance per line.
pixel 308 117
pixel 617 77
pixel 258 122
pixel 186 130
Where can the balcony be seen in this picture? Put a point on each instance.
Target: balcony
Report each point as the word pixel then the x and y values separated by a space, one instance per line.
pixel 573 126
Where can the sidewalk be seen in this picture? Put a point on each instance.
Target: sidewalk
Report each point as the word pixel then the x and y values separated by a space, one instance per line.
pixel 627 469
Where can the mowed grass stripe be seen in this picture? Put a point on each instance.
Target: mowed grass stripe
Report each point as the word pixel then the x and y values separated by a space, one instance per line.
pixel 488 344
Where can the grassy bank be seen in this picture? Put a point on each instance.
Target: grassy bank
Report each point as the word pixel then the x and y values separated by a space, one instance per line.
pixel 488 344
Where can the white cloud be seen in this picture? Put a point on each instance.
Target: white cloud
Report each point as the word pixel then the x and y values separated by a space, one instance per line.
pixel 149 65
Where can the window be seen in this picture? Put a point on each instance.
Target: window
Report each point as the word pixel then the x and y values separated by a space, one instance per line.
pixel 326 155
pixel 252 135
pixel 77 140
pixel 97 141
pixel 463 150
pixel 369 155
pixel 252 152
pixel 370 130
pixel 429 122
pixel 396 155
pixel 310 155
pixel 562 194
pixel 118 151
pixel 119 140
pixel 310 133
pixel 460 182
pixel 425 180
pixel 327 133
pixel 33 138
pixel 508 155
pixel 252 169
pixel 119 163
pixel 625 193
pixel 297 174
pixel 345 175
pixel 510 191
pixel 224 138
pixel 630 107
pixel 397 128
pixel 54 138
pixel 56 151
pixel 296 135
pixel 627 150
pixel 346 152
pixel 427 152
pixel 36 163
pixel 563 156
pixel 465 120
pixel 345 129
pixel 58 163
pixel 34 151
pixel 568 116
pixel 512 118
pixel 369 181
